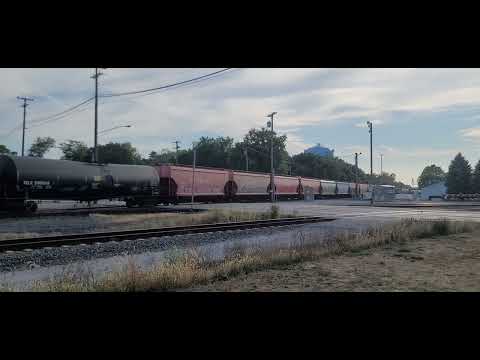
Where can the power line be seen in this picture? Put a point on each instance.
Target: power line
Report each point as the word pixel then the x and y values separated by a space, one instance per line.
pixel 16 128
pixel 63 112
pixel 60 117
pixel 166 86
pixel 193 83
pixel 77 108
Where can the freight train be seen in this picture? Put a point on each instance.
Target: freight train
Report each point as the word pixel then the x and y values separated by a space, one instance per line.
pixel 25 179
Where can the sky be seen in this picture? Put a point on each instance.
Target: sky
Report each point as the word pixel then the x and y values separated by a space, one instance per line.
pixel 420 116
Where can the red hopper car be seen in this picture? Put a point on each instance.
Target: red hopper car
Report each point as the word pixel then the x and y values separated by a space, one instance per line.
pixel 176 183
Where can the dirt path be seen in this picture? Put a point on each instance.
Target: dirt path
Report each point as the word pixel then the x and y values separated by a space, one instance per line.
pixel 450 263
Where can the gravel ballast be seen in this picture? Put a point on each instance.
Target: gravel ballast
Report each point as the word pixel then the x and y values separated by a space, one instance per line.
pixel 24 260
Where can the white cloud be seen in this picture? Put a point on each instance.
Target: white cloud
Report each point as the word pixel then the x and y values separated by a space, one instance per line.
pixel 472 133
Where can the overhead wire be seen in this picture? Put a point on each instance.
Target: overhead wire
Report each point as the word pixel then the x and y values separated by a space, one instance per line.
pixel 145 92
pixel 70 109
pixel 166 86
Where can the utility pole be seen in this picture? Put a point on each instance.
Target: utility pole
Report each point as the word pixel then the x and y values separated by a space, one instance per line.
pixel 176 151
pixel 246 158
pixel 356 174
pixel 95 146
pixel 193 172
pixel 25 104
pixel 272 176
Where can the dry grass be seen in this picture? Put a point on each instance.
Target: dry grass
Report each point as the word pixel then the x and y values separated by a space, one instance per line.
pixel 102 222
pixel 162 220
pixel 7 236
pixel 184 270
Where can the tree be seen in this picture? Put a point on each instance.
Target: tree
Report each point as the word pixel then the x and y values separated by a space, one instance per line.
pixel 476 179
pixel 257 144
pixel 75 151
pixel 4 149
pixel 41 146
pixel 430 175
pixel 459 176
pixel 118 153
pixel 311 165
pixel 166 156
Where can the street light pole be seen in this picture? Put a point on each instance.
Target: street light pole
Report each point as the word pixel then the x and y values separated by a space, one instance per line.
pixel 356 174
pixel 370 130
pixel 272 176
pixel 381 164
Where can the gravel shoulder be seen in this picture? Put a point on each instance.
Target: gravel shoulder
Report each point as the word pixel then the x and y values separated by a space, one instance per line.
pixel 450 263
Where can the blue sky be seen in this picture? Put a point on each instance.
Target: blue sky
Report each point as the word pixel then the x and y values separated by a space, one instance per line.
pixel 420 116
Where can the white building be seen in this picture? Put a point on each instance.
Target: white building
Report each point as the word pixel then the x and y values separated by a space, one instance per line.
pixel 437 190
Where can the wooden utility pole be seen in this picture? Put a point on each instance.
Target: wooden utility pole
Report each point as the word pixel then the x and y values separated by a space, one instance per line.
pixel 176 151
pixel 95 146
pixel 25 104
pixel 272 176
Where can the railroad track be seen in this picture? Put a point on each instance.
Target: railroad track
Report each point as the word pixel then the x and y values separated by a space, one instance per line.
pixel 102 237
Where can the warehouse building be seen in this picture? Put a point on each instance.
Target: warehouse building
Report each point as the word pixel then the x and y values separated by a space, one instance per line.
pixel 433 191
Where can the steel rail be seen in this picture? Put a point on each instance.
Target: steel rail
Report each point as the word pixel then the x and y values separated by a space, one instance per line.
pixel 101 237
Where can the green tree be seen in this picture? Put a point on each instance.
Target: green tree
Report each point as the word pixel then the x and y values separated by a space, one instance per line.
pixel 118 153
pixel 476 179
pixel 75 151
pixel 41 146
pixel 431 175
pixel 311 165
pixel 165 156
pixel 211 152
pixel 257 144
pixel 458 179
pixel 4 149
pixel 214 152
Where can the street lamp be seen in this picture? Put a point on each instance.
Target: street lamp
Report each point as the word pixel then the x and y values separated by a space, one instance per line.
pixel 95 153
pixel 114 128
pixel 272 176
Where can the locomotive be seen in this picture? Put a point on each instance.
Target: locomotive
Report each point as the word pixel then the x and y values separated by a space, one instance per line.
pixel 25 179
